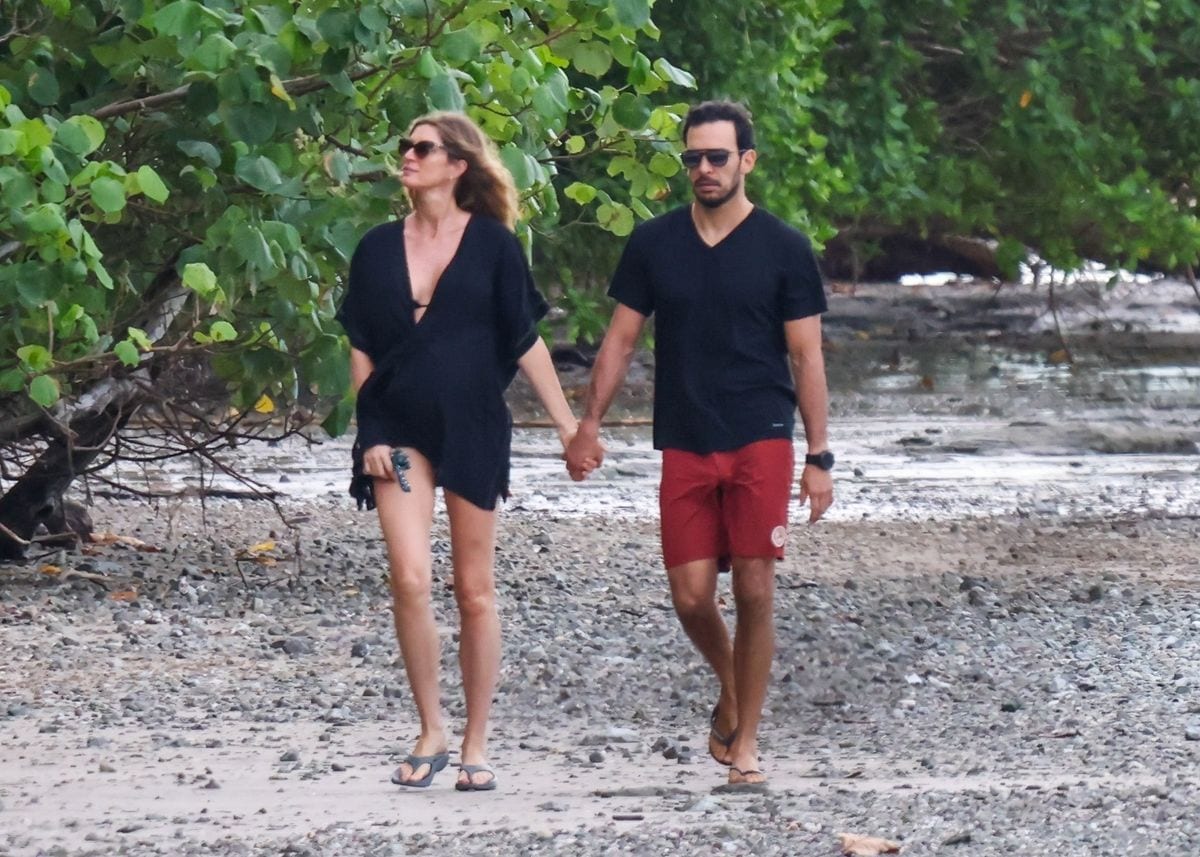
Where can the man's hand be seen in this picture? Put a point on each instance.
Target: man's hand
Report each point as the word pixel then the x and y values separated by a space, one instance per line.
pixel 816 487
pixel 377 462
pixel 585 452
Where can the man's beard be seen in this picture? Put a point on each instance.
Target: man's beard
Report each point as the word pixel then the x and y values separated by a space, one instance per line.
pixel 717 202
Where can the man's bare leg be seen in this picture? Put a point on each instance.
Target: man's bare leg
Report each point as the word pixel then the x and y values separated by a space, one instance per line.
pixel 694 594
pixel 753 650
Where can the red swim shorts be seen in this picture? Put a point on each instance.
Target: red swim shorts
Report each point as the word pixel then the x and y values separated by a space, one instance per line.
pixel 726 504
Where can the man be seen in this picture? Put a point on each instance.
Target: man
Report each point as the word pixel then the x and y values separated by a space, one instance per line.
pixel 737 298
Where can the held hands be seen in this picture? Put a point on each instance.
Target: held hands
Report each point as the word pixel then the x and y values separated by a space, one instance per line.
pixel 584 452
pixel 816 487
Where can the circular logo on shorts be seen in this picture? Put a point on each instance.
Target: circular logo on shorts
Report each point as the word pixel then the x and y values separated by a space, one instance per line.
pixel 777 536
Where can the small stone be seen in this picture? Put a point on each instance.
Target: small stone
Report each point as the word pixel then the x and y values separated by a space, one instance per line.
pixel 290 756
pixel 212 784
pixel 595 756
pixel 1010 705
pixel 107 768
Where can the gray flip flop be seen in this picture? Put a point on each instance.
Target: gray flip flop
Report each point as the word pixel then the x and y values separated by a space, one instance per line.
pixel 436 762
pixel 470 785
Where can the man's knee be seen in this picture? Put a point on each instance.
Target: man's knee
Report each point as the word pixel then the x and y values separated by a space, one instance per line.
pixel 692 603
pixel 754 585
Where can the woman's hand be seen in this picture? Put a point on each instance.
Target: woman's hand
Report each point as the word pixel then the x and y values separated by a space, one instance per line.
pixel 377 462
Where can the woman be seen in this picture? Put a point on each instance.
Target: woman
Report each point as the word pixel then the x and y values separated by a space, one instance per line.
pixel 441 312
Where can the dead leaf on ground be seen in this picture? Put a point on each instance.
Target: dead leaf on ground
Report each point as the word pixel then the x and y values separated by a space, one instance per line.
pixel 253 551
pixel 50 569
pixel 124 595
pixel 855 845
pixel 130 541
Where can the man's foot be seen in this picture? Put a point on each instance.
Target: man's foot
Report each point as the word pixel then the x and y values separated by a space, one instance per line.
pixel 719 741
pixel 746 776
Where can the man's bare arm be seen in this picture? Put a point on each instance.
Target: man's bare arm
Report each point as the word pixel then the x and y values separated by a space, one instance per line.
pixel 585 452
pixel 812 397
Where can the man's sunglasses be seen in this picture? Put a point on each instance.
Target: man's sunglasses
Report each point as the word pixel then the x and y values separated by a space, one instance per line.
pixel 717 157
pixel 422 148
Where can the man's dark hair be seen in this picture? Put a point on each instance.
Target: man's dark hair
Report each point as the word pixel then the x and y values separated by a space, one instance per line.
pixel 722 111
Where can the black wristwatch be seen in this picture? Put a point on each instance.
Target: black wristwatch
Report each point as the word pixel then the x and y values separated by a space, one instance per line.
pixel 823 460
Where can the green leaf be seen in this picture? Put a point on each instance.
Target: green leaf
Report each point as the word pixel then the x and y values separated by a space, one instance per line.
pixel 632 13
pixel 43 87
pixel 443 93
pixel 139 338
pixel 11 381
pixel 202 151
pixel 677 76
pixel 632 111
pixel 664 165
pixel 35 357
pixel 108 195
pixel 73 138
pixel 575 144
pixel 126 352
pixel 177 19
pixel 592 58
pixel 198 277
pixel 10 141
pixel 550 99
pixel 45 218
pixel 44 390
pixel 152 186
pixel 259 172
pixel 460 47
pixel 17 189
pixel 580 192
pixel 520 165
pixel 339 418
pixel 222 331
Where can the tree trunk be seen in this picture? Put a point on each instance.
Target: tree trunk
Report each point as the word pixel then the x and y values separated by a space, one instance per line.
pixel 36 499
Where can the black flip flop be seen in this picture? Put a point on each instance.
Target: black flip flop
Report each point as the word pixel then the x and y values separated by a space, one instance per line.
pixel 715 734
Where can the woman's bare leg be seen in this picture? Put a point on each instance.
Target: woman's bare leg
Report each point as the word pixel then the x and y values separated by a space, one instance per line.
pixel 473 548
pixel 406 518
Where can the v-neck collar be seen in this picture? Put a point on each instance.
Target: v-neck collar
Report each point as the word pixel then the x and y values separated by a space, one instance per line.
pixel 700 238
pixel 437 286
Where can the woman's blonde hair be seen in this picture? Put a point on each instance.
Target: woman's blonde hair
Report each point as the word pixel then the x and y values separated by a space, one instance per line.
pixel 487 186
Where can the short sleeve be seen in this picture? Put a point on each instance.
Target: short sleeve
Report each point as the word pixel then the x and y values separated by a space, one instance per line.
pixel 355 309
pixel 519 305
pixel 803 291
pixel 631 284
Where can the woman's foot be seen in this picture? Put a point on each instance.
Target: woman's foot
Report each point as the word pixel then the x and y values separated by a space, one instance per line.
pixel 474 772
pixel 476 778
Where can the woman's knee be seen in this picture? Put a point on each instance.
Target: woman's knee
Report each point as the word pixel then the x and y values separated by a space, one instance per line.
pixel 412 582
pixel 475 601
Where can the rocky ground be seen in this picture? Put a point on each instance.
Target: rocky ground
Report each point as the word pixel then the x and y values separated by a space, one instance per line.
pixel 1001 678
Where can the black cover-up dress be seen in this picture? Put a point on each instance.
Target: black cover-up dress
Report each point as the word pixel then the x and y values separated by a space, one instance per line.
pixel 438 384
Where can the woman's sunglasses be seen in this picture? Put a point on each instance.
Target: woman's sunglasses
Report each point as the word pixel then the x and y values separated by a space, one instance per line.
pixel 421 148
pixel 717 157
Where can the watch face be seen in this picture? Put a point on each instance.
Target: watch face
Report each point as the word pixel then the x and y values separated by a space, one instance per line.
pixel 823 460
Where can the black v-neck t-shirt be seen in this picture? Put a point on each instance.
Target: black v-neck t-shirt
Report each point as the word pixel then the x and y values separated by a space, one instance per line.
pixel 721 377
pixel 439 383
